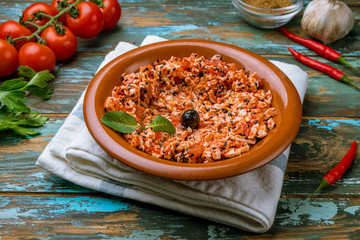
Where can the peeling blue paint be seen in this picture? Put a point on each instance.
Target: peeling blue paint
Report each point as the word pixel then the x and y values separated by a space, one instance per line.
pixel 59 205
pixel 4 201
pixel 352 210
pixel 165 29
pixel 354 122
pixel 330 124
pixel 77 223
pixel 319 124
pixel 17 213
pixel 306 211
pixel 86 204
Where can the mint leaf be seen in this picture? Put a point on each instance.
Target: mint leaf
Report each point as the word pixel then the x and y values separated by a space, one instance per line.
pixel 161 124
pixel 120 121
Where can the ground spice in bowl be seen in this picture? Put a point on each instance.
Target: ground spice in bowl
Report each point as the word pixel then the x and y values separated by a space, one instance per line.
pixel 269 4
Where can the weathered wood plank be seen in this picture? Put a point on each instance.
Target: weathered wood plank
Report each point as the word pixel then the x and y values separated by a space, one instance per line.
pixel 192 21
pixel 325 96
pixel 319 146
pixel 37 204
pixel 107 217
pixel 175 20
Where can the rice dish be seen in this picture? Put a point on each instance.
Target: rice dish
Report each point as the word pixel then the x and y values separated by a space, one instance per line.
pixel 235 111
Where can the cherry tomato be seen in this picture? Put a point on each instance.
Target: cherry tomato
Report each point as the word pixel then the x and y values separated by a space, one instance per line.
pixel 55 4
pixel 89 23
pixel 36 7
pixel 8 58
pixel 37 56
pixel 112 13
pixel 14 29
pixel 64 46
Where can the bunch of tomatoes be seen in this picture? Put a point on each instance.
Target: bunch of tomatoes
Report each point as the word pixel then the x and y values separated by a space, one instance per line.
pixel 47 33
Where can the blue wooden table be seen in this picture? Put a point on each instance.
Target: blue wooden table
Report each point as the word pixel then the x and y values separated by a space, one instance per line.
pixel 34 204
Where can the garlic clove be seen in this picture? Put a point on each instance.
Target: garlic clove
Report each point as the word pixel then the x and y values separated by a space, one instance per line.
pixel 327 20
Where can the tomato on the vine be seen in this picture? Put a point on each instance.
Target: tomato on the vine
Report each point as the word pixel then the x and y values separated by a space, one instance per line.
pixel 14 30
pixel 112 13
pixel 37 56
pixel 34 8
pixel 63 45
pixel 8 58
pixel 55 4
pixel 88 23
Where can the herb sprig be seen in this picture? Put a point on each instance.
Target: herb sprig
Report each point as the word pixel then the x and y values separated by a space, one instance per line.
pixel 15 115
pixel 125 123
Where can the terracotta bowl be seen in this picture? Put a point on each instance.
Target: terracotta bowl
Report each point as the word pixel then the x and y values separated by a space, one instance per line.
pixel 285 99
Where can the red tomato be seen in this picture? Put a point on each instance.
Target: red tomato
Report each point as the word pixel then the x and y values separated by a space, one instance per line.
pixel 64 46
pixel 14 29
pixel 8 58
pixel 89 22
pixel 37 56
pixel 112 13
pixel 36 7
pixel 55 4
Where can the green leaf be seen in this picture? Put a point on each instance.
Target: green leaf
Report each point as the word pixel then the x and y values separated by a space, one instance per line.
pixel 40 79
pixel 26 71
pixel 13 84
pixel 13 98
pixel 34 120
pixel 19 123
pixel 120 121
pixel 44 93
pixel 38 83
pixel 14 101
pixel 26 132
pixel 161 124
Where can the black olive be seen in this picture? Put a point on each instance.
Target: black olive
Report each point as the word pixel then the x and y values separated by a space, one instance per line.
pixel 190 118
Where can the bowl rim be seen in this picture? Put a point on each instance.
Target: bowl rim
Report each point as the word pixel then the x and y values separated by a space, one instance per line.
pixel 187 171
pixel 294 7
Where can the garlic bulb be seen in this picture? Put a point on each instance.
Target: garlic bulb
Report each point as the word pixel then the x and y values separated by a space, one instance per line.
pixel 327 20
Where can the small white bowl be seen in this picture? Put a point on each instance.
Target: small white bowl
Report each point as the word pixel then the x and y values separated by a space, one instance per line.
pixel 265 17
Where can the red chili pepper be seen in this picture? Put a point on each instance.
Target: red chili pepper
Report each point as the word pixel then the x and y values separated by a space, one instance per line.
pixel 327 69
pixel 318 47
pixel 337 172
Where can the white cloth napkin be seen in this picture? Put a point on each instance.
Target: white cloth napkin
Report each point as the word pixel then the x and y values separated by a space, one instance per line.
pixel 248 201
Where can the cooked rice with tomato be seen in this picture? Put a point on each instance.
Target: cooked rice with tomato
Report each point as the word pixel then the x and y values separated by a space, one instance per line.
pixel 235 112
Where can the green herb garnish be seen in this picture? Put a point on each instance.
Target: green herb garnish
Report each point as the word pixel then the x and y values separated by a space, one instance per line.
pixel 120 121
pixel 20 124
pixel 15 115
pixel 125 123
pixel 161 124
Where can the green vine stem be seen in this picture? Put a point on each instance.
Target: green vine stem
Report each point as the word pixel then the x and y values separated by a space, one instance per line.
pixel 52 21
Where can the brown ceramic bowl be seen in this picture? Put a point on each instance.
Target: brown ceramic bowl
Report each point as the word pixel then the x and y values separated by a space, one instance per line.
pixel 285 99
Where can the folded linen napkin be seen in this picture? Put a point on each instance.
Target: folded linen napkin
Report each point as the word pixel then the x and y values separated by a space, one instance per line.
pixel 248 201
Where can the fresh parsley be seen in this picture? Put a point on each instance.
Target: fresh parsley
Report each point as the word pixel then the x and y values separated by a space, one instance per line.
pixel 20 124
pixel 125 123
pixel 15 115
